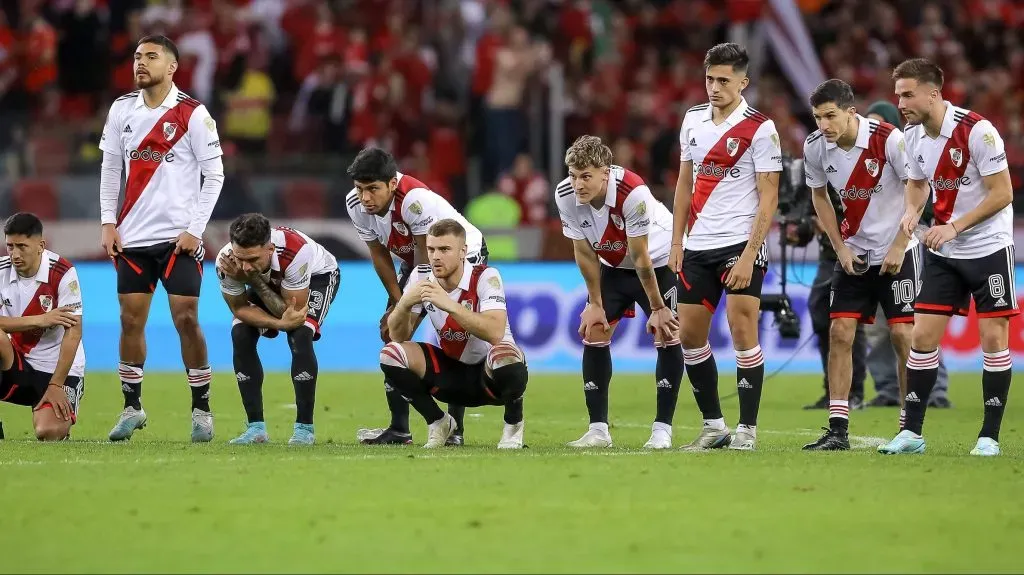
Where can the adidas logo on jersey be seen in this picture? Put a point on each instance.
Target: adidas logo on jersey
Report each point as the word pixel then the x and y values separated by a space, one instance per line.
pixel 693 141
pixel 912 397
pixel 304 376
pixel 1000 302
pixel 585 224
pixel 744 384
pixel 589 386
pixel 920 159
pixel 127 129
pixel 831 169
pixel 994 402
pixel 908 308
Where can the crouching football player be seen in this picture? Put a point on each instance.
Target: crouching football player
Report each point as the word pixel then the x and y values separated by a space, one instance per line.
pixel 478 362
pixel 43 360
pixel 274 280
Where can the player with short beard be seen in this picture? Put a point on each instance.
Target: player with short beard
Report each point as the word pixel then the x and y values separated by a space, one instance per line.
pixel 392 212
pixel 959 156
pixel 166 141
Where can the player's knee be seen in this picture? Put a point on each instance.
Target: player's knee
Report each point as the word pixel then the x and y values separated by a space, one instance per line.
pixel 185 319
pixel 393 355
pixel 995 334
pixel 132 320
pixel 901 334
pixel 504 354
pixel 244 336
pixel 300 341
pixel 841 334
pixel 51 431
pixel 597 334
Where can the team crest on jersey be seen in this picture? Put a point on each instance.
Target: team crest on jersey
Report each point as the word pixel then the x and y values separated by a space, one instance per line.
pixel 46 302
pixel 641 208
pixel 872 165
pixel 732 145
pixel 170 128
pixel 617 221
pixel 416 208
pixel 775 140
pixel 400 228
pixel 210 124
pixel 494 281
pixel 468 305
pixel 957 155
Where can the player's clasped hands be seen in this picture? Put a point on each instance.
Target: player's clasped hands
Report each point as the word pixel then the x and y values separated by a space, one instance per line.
pixel 936 236
pixel 292 317
pixel 432 293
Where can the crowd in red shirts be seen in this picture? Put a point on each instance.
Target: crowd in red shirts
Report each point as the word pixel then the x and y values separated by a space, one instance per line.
pixel 452 84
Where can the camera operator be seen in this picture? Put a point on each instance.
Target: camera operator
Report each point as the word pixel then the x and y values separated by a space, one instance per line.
pixel 801 225
pixel 881 359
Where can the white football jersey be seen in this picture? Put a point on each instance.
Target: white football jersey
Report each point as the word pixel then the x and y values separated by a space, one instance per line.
pixel 869 179
pixel 295 260
pixel 968 148
pixel 480 290
pixel 54 285
pixel 629 211
pixel 162 148
pixel 413 210
pixel 725 160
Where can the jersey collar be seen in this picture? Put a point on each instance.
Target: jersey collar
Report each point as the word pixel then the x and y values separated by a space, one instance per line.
pixel 863 134
pixel 948 123
pixel 42 276
pixel 734 118
pixel 394 204
pixel 467 274
pixel 169 101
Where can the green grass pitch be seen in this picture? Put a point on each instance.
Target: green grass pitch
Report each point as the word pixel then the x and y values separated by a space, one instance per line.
pixel 161 504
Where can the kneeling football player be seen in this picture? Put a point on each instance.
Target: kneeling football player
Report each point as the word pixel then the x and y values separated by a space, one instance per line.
pixel 478 362
pixel 275 280
pixel 620 235
pixel 43 360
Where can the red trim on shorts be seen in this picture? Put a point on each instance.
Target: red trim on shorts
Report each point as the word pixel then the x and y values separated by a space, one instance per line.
pixel 845 315
pixel 708 305
pixel 170 265
pixel 869 321
pixel 14 388
pixel 433 359
pixel 434 390
pixel 1004 313
pixel 901 320
pixel 682 278
pixel 316 324
pixel 630 312
pixel 933 309
pixel 131 264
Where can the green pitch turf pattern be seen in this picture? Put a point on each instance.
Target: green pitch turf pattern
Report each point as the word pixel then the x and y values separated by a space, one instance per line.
pixel 159 503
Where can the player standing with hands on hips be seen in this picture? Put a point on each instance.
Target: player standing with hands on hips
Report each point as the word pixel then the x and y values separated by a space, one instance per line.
pixel 166 141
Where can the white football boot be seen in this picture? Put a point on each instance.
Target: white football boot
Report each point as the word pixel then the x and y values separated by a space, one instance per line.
pixel 710 437
pixel 439 432
pixel 661 436
pixel 596 436
pixel 512 436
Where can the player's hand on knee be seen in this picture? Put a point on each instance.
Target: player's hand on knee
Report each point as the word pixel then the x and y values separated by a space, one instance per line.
pixel 110 239
pixel 58 398
pixel 593 317
pixel 663 324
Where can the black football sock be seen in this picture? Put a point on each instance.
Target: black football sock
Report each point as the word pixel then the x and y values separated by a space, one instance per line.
pixel 131 383
pixel 703 373
pixel 922 372
pixel 304 372
pixel 510 384
pixel 458 413
pixel 668 373
pixel 597 377
pixel 398 407
pixel 995 385
pixel 411 386
pixel 749 381
pixel 199 382
pixel 248 370
pixel 839 415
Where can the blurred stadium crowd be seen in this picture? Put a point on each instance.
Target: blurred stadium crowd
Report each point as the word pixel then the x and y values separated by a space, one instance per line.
pixel 459 90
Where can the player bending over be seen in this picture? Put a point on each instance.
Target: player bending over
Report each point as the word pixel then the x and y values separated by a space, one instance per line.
pixel 43 360
pixel 961 155
pixel 725 201
pixel 392 212
pixel 274 280
pixel 478 362
pixel 864 160
pixel 620 236
pixel 165 140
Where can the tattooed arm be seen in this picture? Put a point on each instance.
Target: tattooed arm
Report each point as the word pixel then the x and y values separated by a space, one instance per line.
pixel 271 299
